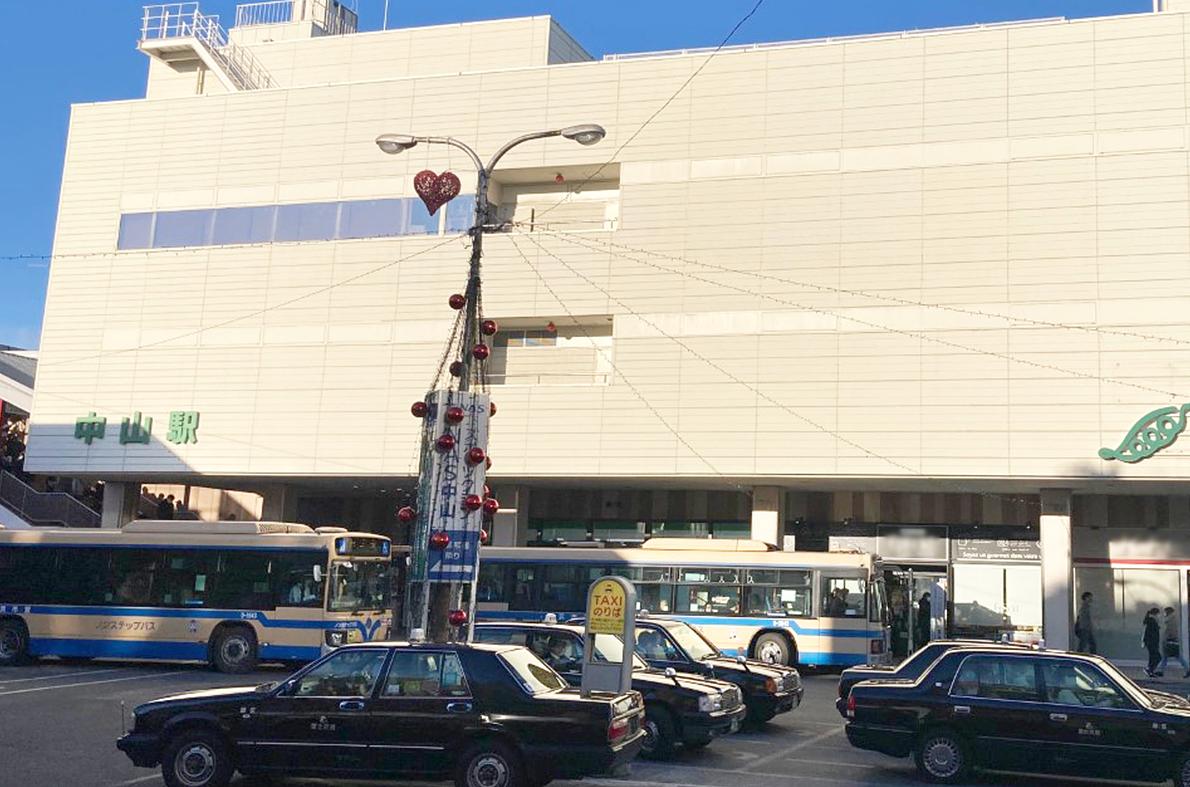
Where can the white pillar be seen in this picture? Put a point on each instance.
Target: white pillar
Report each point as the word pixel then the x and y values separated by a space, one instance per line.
pixel 119 503
pixel 510 525
pixel 767 514
pixel 1056 568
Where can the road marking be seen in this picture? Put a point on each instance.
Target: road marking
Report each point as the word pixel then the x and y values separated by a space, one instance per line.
pixel 64 675
pixel 91 683
pixel 795 747
pixel 141 779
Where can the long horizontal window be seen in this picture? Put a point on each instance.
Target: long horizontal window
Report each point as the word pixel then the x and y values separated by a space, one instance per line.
pixel 305 221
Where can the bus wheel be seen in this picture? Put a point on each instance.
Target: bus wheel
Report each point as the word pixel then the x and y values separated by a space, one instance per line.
pixel 14 643
pixel 233 650
pixel 772 649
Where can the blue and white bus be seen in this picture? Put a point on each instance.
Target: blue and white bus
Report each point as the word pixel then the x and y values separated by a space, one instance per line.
pixel 810 608
pixel 230 593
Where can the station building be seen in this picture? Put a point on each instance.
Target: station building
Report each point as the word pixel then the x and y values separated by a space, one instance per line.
pixel 922 293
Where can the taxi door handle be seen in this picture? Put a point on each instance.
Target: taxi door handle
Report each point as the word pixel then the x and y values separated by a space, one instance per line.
pixel 1058 717
pixel 962 710
pixel 351 705
pixel 459 707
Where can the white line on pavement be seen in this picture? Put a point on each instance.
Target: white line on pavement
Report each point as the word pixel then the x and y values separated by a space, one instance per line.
pixel 778 755
pixel 141 779
pixel 64 675
pixel 91 683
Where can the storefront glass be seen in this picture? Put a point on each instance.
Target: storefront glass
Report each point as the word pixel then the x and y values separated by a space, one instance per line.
pixel 991 600
pixel 1121 597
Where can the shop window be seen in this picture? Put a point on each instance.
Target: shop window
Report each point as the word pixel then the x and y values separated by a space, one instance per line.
pixel 1121 597
pixel 991 599
pixel 843 597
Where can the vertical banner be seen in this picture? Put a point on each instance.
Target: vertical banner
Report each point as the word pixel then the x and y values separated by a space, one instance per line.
pixel 450 492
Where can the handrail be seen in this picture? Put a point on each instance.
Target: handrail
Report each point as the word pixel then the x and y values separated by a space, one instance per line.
pixel 271 12
pixel 38 506
pixel 185 20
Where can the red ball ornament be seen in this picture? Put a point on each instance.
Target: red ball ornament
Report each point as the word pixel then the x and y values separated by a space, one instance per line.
pixel 491 409
pixel 489 327
pixel 419 409
pixel 457 301
pixel 439 539
pixel 476 455
pixel 456 369
pixel 481 351
pixel 472 502
pixel 457 617
pixel 549 326
pixel 445 443
pixel 454 414
pixel 406 514
pixel 491 505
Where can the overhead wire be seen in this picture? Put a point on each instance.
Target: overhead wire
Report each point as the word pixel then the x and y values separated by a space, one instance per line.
pixel 1005 356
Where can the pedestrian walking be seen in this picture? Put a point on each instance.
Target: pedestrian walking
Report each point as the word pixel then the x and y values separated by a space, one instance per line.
pixel 1151 639
pixel 925 614
pixel 1171 643
pixel 1084 625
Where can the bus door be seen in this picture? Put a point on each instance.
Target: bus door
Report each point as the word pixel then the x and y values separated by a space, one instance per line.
pixel 914 618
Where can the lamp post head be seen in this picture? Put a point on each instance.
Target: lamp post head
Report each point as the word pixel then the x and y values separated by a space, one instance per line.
pixel 395 143
pixel 585 134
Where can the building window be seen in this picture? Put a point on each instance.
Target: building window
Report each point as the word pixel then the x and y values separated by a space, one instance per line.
pixel 312 221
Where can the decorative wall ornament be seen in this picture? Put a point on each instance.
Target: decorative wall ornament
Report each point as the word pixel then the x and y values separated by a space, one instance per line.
pixel 436 190
pixel 1155 431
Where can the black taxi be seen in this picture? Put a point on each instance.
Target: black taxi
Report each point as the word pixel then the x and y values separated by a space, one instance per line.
pixel 768 689
pixel 480 715
pixel 681 710
pixel 909 669
pixel 1022 710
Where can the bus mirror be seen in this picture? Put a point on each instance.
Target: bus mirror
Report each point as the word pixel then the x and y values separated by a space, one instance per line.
pixel 317 573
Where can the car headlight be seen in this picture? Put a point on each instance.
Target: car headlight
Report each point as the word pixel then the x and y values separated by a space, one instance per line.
pixel 709 703
pixel 771 685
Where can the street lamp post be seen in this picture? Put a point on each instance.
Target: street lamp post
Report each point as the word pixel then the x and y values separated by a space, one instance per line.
pixel 436 600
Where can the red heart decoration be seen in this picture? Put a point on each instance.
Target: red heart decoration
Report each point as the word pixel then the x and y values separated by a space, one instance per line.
pixel 436 190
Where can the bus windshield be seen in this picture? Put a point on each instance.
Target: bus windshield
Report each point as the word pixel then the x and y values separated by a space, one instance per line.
pixel 358 585
pixel 692 642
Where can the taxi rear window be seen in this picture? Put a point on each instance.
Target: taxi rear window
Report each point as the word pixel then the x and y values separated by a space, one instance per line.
pixel 534 675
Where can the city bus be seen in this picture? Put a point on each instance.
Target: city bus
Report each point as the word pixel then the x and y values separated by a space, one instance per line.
pixel 810 608
pixel 228 593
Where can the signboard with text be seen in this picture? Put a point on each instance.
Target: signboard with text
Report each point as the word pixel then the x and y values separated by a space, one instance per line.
pixel 611 610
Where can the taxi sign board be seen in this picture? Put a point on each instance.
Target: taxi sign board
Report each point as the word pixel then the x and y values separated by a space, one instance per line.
pixel 611 610
pixel 607 607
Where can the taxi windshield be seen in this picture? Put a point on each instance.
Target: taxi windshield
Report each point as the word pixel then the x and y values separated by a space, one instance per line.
pixel 609 647
pixel 359 584
pixel 692 641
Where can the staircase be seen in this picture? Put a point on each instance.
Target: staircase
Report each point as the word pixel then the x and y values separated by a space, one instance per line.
pixel 178 33
pixel 44 508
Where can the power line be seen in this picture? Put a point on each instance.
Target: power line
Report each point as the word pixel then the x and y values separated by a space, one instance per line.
pixel 663 106
pixel 1095 329
pixel 257 312
pixel 643 399
pixel 900 332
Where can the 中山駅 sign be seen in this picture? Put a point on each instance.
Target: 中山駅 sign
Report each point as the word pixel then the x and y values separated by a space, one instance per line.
pixel 182 428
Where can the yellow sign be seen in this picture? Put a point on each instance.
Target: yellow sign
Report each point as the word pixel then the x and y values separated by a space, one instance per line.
pixel 607 605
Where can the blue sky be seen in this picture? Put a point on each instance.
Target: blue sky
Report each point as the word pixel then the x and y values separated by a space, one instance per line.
pixel 81 51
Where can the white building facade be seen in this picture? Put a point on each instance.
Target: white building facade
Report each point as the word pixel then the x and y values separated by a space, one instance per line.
pixel 900 292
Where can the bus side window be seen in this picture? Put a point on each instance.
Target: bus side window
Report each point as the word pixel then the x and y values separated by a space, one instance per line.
pixel 132 577
pixel 524 578
pixel 81 577
pixel 843 597
pixel 493 579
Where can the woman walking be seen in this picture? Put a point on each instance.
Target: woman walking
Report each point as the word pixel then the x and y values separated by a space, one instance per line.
pixel 1152 641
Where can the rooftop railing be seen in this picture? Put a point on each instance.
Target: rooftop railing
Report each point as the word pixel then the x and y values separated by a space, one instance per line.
pixel 185 20
pixel 335 17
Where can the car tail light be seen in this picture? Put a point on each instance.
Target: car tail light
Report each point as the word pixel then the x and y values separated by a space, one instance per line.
pixel 876 647
pixel 617 729
pixel 851 705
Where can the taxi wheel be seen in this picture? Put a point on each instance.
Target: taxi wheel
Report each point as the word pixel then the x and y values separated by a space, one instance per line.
pixel 660 734
pixel 196 758
pixel 941 757
pixel 14 643
pixel 490 764
pixel 233 650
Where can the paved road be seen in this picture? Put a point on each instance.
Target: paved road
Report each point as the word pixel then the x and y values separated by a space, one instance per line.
pixel 58 723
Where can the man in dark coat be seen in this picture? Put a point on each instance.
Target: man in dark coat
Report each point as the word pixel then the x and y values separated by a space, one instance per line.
pixel 1152 641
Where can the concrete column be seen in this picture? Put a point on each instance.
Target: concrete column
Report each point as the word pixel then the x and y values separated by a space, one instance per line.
pixel 767 514
pixel 119 503
pixel 510 525
pixel 280 504
pixel 1056 567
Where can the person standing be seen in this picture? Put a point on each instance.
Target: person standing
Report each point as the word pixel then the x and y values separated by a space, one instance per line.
pixel 1084 625
pixel 1151 639
pixel 925 615
pixel 1171 643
